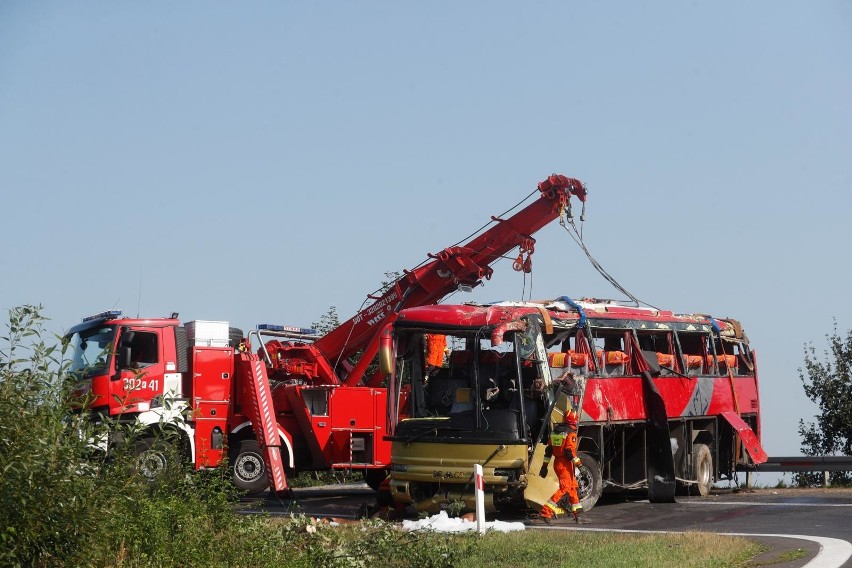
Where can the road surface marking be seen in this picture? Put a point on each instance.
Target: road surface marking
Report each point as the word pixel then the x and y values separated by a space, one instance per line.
pixel 833 552
pixel 747 504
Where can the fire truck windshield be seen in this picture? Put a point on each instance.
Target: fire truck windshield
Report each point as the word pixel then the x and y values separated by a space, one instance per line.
pixel 91 350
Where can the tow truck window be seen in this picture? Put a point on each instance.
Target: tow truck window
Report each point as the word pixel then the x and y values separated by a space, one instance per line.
pixel 91 350
pixel 143 350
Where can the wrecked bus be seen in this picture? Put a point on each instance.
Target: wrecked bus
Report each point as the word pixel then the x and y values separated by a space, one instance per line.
pixel 667 402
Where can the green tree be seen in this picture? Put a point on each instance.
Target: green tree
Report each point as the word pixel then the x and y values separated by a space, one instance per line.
pixel 827 381
pixel 328 321
pixel 391 277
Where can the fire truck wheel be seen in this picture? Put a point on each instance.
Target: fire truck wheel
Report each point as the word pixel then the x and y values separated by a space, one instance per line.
pixel 589 481
pixel 152 458
pixel 248 469
pixel 702 468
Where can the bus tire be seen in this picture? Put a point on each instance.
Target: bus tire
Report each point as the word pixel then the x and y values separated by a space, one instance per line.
pixel 589 481
pixel 702 468
pixel 248 470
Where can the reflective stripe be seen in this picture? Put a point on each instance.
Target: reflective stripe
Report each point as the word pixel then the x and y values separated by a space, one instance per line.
pixel 554 507
pixel 556 439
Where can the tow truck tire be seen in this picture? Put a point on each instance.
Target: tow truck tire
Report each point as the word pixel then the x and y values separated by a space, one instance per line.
pixel 702 469
pixel 589 481
pixel 375 477
pixel 248 470
pixel 152 458
pixel 235 337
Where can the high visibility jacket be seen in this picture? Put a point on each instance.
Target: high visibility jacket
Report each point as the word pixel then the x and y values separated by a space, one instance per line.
pixel 563 442
pixel 563 447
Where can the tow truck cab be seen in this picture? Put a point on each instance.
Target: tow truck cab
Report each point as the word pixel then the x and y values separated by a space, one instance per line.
pixel 127 365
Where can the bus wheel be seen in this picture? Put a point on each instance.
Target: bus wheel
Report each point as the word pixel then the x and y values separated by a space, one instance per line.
pixel 248 470
pixel 702 468
pixel 589 481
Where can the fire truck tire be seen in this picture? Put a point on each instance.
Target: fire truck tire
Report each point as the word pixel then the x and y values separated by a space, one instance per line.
pixel 702 468
pixel 589 481
pixel 248 471
pixel 152 458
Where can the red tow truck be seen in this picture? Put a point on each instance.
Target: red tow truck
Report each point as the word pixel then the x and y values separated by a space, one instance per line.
pixel 299 401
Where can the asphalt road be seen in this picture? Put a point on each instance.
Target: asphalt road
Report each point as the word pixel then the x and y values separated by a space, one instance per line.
pixel 819 521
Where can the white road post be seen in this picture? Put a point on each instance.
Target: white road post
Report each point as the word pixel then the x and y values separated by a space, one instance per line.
pixel 480 498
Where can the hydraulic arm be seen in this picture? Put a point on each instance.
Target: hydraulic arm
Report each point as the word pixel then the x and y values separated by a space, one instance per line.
pixel 460 265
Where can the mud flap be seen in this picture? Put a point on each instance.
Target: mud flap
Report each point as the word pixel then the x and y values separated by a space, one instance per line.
pixel 658 448
pixel 747 435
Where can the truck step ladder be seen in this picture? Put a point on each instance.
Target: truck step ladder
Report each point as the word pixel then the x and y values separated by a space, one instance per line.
pixel 263 419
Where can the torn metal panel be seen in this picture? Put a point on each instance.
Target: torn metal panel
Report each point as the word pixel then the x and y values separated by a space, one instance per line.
pixel 747 435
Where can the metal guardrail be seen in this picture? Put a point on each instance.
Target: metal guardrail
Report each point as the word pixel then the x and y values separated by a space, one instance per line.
pixel 805 463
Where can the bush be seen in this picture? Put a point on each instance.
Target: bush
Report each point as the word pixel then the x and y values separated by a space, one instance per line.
pixel 48 494
pixel 61 504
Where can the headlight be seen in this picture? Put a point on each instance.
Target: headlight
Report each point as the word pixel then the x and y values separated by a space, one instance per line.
pixel 82 388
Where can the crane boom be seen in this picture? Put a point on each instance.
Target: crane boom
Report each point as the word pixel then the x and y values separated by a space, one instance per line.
pixel 459 265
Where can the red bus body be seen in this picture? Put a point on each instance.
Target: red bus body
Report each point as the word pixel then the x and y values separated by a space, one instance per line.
pixel 656 392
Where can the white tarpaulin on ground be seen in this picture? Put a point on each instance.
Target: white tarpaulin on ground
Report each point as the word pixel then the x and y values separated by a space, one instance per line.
pixel 443 523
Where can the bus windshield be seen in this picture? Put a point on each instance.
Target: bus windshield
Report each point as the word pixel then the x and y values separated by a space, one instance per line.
pixel 461 382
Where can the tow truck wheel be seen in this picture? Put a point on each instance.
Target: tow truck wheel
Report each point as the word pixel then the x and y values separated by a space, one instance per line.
pixel 248 470
pixel 152 458
pixel 374 477
pixel 589 481
pixel 702 468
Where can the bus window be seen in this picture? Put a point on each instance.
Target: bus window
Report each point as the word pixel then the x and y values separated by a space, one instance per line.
pixel 656 346
pixel 610 353
pixel 693 348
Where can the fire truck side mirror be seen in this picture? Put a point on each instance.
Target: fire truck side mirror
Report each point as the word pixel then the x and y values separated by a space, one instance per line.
pixel 386 351
pixel 123 355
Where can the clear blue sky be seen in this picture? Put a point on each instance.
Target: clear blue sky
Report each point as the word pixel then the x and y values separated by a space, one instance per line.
pixel 261 162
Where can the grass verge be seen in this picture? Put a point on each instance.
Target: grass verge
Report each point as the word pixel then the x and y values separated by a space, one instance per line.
pixel 558 548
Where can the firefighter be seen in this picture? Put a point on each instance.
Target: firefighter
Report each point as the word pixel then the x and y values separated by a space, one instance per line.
pixel 562 446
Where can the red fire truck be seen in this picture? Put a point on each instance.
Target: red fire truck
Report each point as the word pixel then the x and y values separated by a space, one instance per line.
pixel 666 401
pixel 300 401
